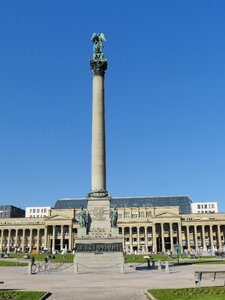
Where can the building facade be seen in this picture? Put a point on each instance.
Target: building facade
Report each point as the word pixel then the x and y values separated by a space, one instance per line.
pixel 10 211
pixel 204 207
pixel 37 211
pixel 144 228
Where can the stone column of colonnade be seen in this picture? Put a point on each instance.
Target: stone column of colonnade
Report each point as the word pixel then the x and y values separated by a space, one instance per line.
pixel 162 237
pixel 171 237
pixel 1 241
pixel 219 238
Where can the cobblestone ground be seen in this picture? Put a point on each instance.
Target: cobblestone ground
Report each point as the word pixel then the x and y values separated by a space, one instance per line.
pixel 106 285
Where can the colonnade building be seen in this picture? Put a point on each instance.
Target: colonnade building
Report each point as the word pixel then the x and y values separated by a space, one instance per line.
pixel 146 224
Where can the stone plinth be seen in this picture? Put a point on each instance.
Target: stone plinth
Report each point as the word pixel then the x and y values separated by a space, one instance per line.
pixel 99 214
pixel 97 262
pixel 95 254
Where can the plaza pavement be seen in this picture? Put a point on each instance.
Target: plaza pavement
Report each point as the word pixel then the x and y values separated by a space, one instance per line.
pixel 108 285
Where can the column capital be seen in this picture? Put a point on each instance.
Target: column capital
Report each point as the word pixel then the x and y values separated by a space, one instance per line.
pixel 98 67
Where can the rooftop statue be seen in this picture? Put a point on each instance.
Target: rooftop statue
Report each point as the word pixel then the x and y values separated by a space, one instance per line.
pixel 98 39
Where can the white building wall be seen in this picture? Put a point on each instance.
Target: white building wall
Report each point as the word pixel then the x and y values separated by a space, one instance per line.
pixel 37 211
pixel 204 207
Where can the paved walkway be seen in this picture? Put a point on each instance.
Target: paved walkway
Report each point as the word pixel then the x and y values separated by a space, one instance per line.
pixel 107 285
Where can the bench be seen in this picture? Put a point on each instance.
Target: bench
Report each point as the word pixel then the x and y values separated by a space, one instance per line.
pixel 200 275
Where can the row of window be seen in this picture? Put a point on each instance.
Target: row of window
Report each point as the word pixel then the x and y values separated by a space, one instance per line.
pixel 38 216
pixel 205 206
pixel 206 212
pixel 140 214
pixel 38 210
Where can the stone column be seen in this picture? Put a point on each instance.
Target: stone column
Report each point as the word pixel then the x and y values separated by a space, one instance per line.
pixel 146 239
pixel 31 240
pixel 2 236
pixel 23 241
pixel 61 237
pixel 53 238
pixel 38 240
pixel 203 238
pixel 122 228
pixel 46 237
pixel 211 237
pixel 70 237
pixel 138 239
pixel 162 237
pixel 16 238
pixel 154 242
pixel 171 237
pixel 196 237
pixel 131 241
pixel 219 237
pixel 179 228
pixel 98 179
pixel 188 238
pixel 9 237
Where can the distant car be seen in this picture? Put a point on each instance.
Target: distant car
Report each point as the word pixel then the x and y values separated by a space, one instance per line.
pixel 63 251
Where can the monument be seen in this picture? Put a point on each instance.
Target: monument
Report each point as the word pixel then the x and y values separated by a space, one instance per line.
pixel 98 245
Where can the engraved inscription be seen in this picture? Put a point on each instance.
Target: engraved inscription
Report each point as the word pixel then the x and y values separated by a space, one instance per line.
pixel 99 214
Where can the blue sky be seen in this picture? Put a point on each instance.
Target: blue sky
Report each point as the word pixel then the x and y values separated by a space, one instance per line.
pixel 164 93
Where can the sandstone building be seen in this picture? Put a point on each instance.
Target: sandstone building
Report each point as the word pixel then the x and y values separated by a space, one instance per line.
pixel 146 224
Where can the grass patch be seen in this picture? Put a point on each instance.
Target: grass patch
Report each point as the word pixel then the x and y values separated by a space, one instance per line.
pixel 20 295
pixel 204 293
pixel 131 258
pixel 197 261
pixel 66 258
pixel 12 264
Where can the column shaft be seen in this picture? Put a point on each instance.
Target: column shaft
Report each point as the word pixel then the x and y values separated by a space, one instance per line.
pixel 162 237
pixel 196 237
pixel 188 238
pixel 131 240
pixel 219 238
pixel 146 239
pixel 9 237
pixel 154 242
pixel 53 238
pixel 98 135
pixel 211 237
pixel 61 238
pixel 171 237
pixel 203 238
pixel 138 239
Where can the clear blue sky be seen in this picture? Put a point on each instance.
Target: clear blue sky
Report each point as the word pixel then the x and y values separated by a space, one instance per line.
pixel 165 99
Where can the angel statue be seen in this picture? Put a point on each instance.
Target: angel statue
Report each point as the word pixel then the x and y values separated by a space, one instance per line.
pixel 98 39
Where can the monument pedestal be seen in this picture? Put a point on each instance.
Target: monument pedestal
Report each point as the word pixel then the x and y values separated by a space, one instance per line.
pixel 98 254
pixel 101 248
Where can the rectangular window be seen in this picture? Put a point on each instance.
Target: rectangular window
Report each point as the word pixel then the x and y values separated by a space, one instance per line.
pixel 148 214
pixel 213 206
pixel 199 206
pixel 31 210
pixel 127 214
pixel 45 210
pixel 134 215
pixel 205 205
pixel 142 214
pixel 38 210
pixel 34 210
